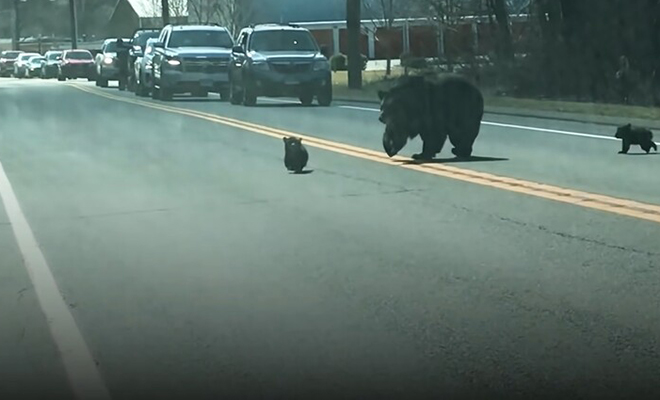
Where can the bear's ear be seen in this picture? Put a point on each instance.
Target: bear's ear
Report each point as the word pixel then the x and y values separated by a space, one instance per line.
pixel 381 94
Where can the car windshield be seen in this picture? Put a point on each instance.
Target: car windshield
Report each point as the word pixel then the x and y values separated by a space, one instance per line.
pixel 53 56
pixel 141 39
pixel 26 56
pixel 10 54
pixel 36 60
pixel 284 40
pixel 201 38
pixel 78 55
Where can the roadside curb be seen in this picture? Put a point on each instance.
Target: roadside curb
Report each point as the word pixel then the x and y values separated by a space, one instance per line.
pixel 602 120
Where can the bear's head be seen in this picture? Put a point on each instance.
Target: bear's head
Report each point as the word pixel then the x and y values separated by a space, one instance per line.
pixel 623 131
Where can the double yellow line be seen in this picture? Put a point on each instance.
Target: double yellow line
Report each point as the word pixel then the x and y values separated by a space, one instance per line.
pixel 644 211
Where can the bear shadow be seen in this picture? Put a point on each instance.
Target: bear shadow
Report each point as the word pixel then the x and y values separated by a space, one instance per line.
pixel 456 160
pixel 640 154
pixel 303 172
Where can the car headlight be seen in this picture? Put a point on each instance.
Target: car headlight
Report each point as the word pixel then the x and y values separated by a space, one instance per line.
pixel 174 62
pixel 261 65
pixel 108 60
pixel 321 65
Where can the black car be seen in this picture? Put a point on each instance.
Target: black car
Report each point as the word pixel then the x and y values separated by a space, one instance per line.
pixel 279 60
pixel 138 44
pixel 7 60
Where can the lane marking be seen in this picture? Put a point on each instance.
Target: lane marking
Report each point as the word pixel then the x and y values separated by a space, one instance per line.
pixel 81 370
pixel 523 127
pixel 630 208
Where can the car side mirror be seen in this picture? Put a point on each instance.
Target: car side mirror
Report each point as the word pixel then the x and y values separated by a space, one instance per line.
pixel 325 50
pixel 159 45
pixel 238 50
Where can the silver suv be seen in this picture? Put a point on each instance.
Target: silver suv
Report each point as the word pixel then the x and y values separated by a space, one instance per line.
pixel 191 59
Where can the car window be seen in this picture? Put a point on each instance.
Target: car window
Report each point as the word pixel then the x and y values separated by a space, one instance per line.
pixel 282 41
pixel 78 55
pixel 201 38
pixel 141 39
pixel 10 54
pixel 111 47
pixel 53 56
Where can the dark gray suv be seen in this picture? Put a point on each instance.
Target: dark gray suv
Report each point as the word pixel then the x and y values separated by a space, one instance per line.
pixel 277 61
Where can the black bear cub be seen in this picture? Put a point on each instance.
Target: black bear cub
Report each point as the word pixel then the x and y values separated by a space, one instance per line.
pixel 295 154
pixel 630 135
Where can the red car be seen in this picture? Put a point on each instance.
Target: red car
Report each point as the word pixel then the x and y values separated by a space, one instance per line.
pixel 76 64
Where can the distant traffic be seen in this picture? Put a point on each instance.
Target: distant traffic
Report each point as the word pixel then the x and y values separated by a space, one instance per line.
pixel 265 60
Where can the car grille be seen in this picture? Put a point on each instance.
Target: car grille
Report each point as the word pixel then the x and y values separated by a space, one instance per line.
pixel 208 65
pixel 290 67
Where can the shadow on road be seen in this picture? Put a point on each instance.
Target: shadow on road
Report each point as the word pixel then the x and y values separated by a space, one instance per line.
pixel 455 160
pixel 305 172
pixel 283 105
pixel 198 100
pixel 642 154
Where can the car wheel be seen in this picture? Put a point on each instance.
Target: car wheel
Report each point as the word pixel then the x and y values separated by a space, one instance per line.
pixel 200 93
pixel 324 97
pixel 165 94
pixel 61 78
pixel 235 96
pixel 155 92
pixel 103 82
pixel 249 95
pixel 306 98
pixel 224 95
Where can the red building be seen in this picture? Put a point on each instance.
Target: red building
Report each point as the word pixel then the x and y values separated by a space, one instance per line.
pixel 419 36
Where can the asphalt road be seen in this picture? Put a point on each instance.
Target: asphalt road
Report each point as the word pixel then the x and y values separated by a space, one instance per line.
pixel 196 267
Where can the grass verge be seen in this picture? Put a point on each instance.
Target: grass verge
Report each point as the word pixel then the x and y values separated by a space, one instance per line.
pixel 375 80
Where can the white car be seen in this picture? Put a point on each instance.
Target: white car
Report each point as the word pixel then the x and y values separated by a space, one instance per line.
pixel 20 65
pixel 34 65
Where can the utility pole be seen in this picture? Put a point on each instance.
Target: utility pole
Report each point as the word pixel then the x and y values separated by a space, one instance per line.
pixel 354 53
pixel 74 24
pixel 17 26
pixel 165 5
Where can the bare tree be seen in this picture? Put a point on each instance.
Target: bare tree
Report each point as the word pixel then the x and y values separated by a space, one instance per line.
pixel 235 14
pixel 385 12
pixel 446 14
pixel 204 11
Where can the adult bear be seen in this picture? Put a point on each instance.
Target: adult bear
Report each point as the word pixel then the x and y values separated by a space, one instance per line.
pixel 446 106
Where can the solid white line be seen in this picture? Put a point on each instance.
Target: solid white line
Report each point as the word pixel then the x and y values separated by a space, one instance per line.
pixel 360 108
pixel 84 377
pixel 527 128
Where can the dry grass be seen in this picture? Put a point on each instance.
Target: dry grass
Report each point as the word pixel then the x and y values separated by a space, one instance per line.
pixel 374 80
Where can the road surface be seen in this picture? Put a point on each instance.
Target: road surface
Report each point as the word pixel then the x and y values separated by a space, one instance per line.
pixel 161 250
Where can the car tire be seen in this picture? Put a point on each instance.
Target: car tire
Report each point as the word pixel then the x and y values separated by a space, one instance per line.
pixel 249 95
pixel 61 78
pixel 200 93
pixel 103 82
pixel 224 95
pixel 165 94
pixel 155 93
pixel 306 98
pixel 235 95
pixel 324 97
